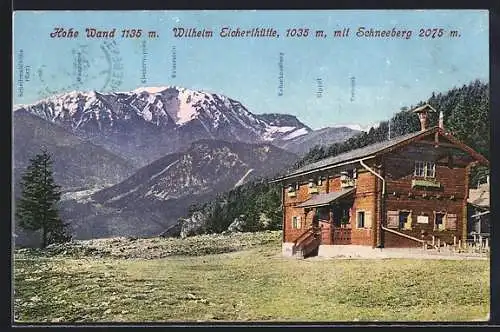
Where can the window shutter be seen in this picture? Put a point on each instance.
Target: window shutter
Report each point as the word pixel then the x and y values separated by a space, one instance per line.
pixel 451 221
pixel 408 222
pixel 298 222
pixel 392 219
pixel 368 219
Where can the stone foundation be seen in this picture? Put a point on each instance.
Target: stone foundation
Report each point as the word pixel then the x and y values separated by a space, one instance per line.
pixel 287 249
pixel 347 250
pixel 367 252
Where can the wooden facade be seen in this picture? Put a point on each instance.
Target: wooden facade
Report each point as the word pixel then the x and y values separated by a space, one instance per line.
pixel 403 195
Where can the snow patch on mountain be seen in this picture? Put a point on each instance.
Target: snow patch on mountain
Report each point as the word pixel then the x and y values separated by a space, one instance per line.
pixel 296 133
pixel 242 180
pixel 187 110
pixel 82 196
pixel 359 127
pixel 271 132
pixel 164 170
pixel 152 89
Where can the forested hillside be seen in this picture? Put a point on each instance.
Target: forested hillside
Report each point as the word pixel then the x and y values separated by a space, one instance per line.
pixel 466 115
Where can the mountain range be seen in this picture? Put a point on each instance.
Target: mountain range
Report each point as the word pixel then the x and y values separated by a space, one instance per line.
pixel 148 123
pixel 155 196
pixel 125 157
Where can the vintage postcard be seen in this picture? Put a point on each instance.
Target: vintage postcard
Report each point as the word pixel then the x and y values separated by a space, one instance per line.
pixel 250 165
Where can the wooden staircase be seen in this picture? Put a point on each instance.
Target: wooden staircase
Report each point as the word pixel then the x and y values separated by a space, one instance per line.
pixel 307 243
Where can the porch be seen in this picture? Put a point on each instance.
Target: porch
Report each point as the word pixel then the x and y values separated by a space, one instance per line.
pixel 331 218
pixel 331 222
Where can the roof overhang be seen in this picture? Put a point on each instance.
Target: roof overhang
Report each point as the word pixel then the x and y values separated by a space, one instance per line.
pixel 479 206
pixel 326 198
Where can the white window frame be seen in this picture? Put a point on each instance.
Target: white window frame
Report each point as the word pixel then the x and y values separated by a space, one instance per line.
pixel 424 169
pixel 296 224
pixel 357 218
pixel 430 167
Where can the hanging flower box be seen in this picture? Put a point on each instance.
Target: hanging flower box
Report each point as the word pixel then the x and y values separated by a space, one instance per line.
pixel 425 183
pixel 345 183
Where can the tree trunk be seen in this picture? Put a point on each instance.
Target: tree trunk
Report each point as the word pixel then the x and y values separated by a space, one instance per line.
pixel 44 237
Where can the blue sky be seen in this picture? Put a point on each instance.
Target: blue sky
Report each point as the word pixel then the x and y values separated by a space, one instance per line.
pixel 389 72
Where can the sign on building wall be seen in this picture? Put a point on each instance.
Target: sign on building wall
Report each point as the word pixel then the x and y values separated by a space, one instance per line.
pixel 422 219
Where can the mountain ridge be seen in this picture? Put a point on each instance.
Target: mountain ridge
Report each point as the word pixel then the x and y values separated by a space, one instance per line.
pixel 155 196
pixel 148 122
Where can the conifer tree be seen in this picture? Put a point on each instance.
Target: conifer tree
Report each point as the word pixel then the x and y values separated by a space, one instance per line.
pixel 36 209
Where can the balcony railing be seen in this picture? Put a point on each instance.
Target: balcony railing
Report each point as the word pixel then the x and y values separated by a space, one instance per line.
pixel 342 236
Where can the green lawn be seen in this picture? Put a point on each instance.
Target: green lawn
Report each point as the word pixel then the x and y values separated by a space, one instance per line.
pixel 253 284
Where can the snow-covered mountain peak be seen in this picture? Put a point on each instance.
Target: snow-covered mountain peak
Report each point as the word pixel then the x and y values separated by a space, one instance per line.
pixel 168 116
pixel 153 89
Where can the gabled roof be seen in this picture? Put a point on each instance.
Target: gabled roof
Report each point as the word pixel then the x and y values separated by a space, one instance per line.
pixel 372 150
pixel 325 199
pixel 480 197
pixel 424 108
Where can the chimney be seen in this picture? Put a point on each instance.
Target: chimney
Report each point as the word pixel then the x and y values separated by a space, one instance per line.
pixel 441 120
pixel 423 115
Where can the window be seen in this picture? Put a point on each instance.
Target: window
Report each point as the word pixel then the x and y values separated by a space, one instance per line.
pixel 430 170
pixel 439 221
pixel 419 168
pixel 393 219
pixel 361 219
pixel 320 181
pixel 404 220
pixel 425 169
pixel 296 222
